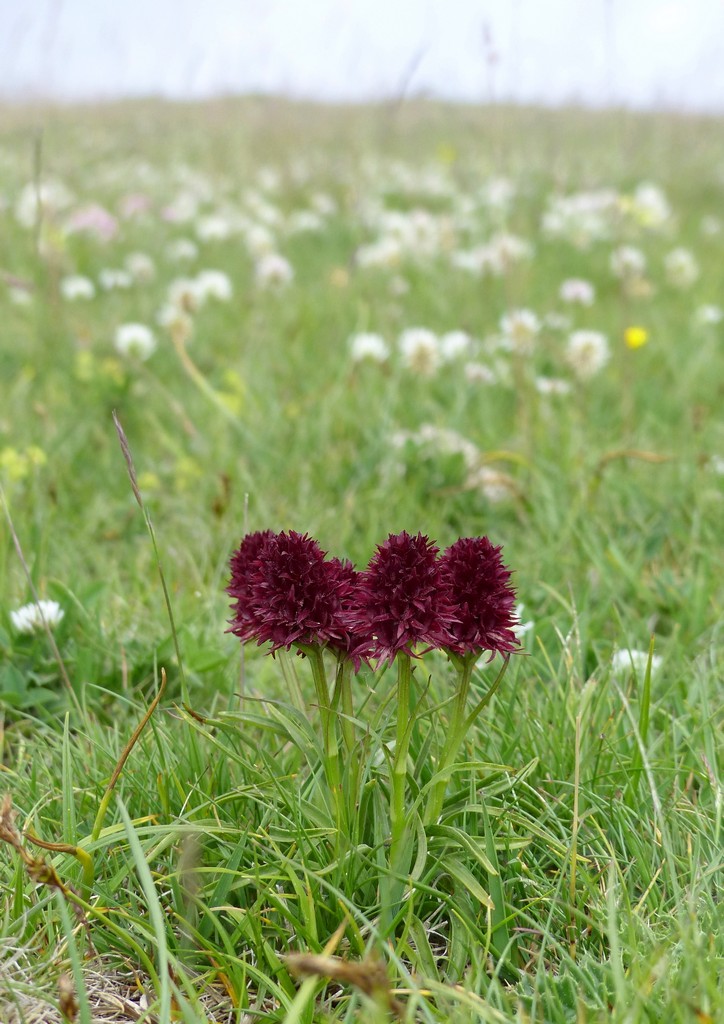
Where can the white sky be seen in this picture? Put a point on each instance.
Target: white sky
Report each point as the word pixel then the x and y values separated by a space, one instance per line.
pixel 636 52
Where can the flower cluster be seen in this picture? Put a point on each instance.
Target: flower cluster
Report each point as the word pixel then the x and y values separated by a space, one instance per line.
pixel 287 592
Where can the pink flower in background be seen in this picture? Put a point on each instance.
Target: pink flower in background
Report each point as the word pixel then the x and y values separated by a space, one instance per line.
pixel 92 219
pixel 135 204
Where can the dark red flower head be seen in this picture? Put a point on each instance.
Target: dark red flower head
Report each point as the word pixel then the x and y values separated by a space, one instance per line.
pixel 242 565
pixel 400 602
pixel 478 586
pixel 288 593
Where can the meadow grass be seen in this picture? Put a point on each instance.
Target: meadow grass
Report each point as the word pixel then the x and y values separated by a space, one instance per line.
pixel 574 873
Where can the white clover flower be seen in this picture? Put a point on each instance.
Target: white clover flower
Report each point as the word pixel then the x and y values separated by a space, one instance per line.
pixel 183 292
pixel 176 321
pixel 493 484
pixel 385 252
pixel 20 296
pixel 182 209
pixel 213 228
pixel 269 179
pixel 497 194
pixel 399 438
pixel 445 441
pixel 111 278
pixel 76 286
pixel 398 285
pixel 627 262
pixel 710 225
pixel 273 269
pixel 706 316
pixel 626 662
pixel 135 340
pixel 483 259
pixel 420 350
pixel 552 386
pixel 140 266
pixel 586 353
pixel 557 321
pixel 213 284
pixel 323 204
pixel 507 249
pixel 454 344
pixel 31 618
pixel 35 201
pixel 520 329
pixel 367 345
pixel 304 221
pixel 575 289
pixel 479 373
pixel 681 268
pixel 262 210
pixel 650 207
pixel 582 217
pixel 259 241
pixel 182 250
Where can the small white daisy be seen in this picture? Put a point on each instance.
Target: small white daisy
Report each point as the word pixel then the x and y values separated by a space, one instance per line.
pixel 420 350
pixel 140 266
pixel 681 268
pixel 135 340
pixel 479 373
pixel 111 278
pixel 586 353
pixel 273 269
pixel 576 290
pixel 626 662
pixel 75 286
pixel 552 386
pixel 454 344
pixel 368 345
pixel 520 328
pixel 182 250
pixel 214 284
pixel 31 618
pixel 627 262
pixel 706 316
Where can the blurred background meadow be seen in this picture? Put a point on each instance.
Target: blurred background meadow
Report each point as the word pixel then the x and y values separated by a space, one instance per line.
pixel 350 270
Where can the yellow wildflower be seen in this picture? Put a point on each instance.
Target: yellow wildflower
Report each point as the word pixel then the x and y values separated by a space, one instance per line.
pixel 113 370
pixel 231 400
pixel 635 337
pixel 234 382
pixel 84 365
pixel 339 277
pixel 148 481
pixel 36 456
pixel 188 472
pixel 446 153
pixel 13 464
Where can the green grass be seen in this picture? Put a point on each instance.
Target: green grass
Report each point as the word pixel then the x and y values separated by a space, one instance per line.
pixel 575 871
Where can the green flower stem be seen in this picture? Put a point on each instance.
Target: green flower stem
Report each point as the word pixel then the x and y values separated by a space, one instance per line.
pixel 459 726
pixel 399 765
pixel 329 730
pixel 343 698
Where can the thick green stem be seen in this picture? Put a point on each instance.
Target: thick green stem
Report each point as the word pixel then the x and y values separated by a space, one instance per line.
pixel 455 736
pixel 343 700
pixel 329 731
pixel 399 765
